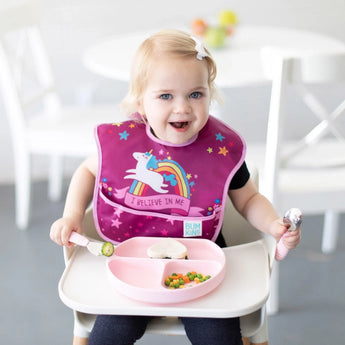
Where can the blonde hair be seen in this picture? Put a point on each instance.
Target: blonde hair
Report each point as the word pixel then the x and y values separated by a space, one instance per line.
pixel 166 42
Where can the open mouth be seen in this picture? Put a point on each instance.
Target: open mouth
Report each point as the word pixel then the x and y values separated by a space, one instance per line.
pixel 179 125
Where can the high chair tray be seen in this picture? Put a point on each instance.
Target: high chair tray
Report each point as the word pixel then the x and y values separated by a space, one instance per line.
pixel 84 286
pixel 133 273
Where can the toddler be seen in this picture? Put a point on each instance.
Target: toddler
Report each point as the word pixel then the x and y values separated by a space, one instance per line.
pixel 167 170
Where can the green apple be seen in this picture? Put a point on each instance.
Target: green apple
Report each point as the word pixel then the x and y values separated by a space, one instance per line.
pixel 215 36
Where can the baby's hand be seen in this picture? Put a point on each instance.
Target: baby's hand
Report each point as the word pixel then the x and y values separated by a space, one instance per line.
pixel 61 230
pixel 279 229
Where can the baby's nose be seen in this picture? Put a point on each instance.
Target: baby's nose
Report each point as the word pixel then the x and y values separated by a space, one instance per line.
pixel 182 106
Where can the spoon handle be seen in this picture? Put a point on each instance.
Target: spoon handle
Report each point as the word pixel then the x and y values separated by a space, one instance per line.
pixel 293 217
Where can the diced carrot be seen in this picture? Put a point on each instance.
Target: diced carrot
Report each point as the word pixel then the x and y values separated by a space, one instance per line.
pixel 186 279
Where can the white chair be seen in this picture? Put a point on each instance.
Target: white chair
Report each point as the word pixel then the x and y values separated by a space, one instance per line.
pixel 236 231
pixel 38 122
pixel 306 172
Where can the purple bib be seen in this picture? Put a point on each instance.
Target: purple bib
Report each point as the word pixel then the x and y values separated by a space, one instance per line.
pixel 147 187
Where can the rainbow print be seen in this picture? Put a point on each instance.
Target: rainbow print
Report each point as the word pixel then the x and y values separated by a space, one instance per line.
pixel 173 173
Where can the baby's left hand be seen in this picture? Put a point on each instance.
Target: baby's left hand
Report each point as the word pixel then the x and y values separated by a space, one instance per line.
pixel 290 238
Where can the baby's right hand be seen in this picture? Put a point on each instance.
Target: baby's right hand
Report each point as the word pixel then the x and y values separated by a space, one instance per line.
pixel 61 230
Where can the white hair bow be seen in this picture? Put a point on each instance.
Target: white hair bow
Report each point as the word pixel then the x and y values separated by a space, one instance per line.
pixel 199 47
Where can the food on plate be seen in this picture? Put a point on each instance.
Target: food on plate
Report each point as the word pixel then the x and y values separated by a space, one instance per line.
pixel 179 280
pixel 167 248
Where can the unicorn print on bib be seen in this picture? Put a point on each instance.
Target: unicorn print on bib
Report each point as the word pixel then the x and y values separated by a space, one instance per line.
pixel 142 174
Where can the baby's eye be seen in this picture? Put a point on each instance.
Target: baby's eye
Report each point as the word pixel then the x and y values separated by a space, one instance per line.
pixel 165 96
pixel 195 94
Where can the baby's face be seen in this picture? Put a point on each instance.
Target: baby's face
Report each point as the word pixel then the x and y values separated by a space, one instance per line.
pixel 176 99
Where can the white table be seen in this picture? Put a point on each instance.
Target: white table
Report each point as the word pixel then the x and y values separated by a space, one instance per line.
pixel 84 287
pixel 238 63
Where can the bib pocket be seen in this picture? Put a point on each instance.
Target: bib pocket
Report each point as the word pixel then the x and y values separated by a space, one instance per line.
pixel 116 222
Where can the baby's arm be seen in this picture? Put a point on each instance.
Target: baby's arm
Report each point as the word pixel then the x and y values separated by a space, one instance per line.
pixel 79 196
pixel 261 214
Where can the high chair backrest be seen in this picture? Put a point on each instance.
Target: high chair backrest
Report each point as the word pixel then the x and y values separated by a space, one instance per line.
pixel 26 76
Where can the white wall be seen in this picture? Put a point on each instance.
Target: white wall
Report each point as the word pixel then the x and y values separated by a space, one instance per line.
pixel 72 25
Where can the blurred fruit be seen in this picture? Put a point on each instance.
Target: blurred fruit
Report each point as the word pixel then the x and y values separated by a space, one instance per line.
pixel 227 18
pixel 215 37
pixel 198 26
pixel 230 29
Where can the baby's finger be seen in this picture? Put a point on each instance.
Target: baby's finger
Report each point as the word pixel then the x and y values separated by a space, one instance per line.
pixel 65 235
pixel 55 233
pixel 291 239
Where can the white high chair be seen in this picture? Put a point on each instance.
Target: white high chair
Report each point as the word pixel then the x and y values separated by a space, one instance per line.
pixel 306 172
pixel 236 232
pixel 38 122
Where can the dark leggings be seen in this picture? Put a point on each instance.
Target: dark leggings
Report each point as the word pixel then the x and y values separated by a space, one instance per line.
pixel 125 330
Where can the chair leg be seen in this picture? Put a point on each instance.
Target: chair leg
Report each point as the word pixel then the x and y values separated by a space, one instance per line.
pixel 22 188
pixel 79 341
pixel 55 178
pixel 273 300
pixel 330 231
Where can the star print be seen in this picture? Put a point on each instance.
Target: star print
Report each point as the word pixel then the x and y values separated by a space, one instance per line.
pixel 132 125
pixel 192 184
pixel 161 152
pixel 209 150
pixel 117 212
pixel 116 223
pixel 223 151
pixel 118 124
pixel 164 232
pixel 124 135
pixel 188 176
pixel 219 137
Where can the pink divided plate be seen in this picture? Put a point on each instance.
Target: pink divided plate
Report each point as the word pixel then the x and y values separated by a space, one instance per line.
pixel 137 276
